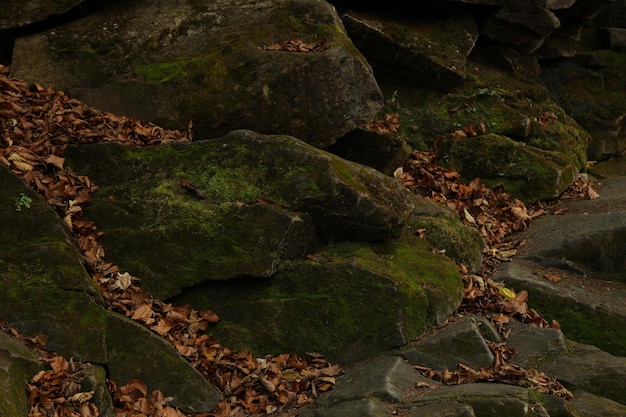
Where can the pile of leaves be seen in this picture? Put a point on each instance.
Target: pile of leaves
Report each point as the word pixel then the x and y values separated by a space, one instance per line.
pixel 37 126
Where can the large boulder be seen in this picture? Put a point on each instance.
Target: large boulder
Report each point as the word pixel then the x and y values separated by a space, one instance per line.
pixel 17 13
pixel 259 201
pixel 44 289
pixel 276 67
pixel 348 301
pixel 422 52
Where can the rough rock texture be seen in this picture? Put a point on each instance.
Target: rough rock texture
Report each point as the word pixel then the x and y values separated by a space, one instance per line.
pixel 44 289
pixel 425 53
pixel 17 366
pixel 573 268
pixel 591 90
pixel 350 301
pixel 17 13
pixel 301 191
pixel 169 62
pixel 388 384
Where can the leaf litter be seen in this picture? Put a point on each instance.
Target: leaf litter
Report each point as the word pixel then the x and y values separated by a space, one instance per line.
pixel 37 126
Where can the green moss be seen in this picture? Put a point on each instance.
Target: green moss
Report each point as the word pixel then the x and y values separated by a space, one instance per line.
pixel 164 71
pixel 596 327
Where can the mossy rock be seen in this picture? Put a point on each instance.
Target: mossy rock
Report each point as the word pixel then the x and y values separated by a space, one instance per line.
pixel 17 366
pixel 165 235
pixel 44 287
pixel 349 301
pixel 137 353
pixel 445 232
pixel 592 89
pixel 530 174
pixel 172 62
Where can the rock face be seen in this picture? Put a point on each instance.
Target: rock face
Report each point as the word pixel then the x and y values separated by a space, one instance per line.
pixel 268 199
pixel 274 210
pixel 299 249
pixel 44 289
pixel 211 62
pixel 573 268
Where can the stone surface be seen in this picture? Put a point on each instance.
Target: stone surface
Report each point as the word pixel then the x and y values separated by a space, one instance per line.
pixel 134 352
pixel 307 191
pixel 169 62
pixel 348 302
pixel 16 13
pixel 425 53
pixel 461 342
pixel 17 366
pixel 44 288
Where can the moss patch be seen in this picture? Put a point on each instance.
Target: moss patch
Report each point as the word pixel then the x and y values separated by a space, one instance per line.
pixel 349 302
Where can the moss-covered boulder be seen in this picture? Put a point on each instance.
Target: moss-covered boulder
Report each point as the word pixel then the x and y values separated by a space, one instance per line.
pixel 529 173
pixel 348 301
pixel 44 288
pixel 592 89
pixel 500 128
pixel 222 64
pixel 17 366
pixel 259 201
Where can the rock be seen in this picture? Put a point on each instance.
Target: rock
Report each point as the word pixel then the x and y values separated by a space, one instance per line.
pixel 594 97
pixel 44 288
pixel 589 405
pixel 349 301
pixel 382 151
pixel 17 366
pixel 161 231
pixel 425 53
pixel 616 38
pixel 445 232
pixel 137 353
pixel 588 312
pixel 169 62
pixel 578 366
pixel 16 13
pixel 461 342
pixel 95 380
pixel 529 173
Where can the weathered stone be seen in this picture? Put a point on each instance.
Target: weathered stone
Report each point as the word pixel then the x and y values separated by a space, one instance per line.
pixel 17 13
pixel 95 380
pixel 387 378
pixel 349 302
pixel 44 288
pixel 356 408
pixel 422 53
pixel 381 151
pixel 161 232
pixel 589 405
pixel 445 409
pixel 457 343
pixel 587 312
pixel 595 97
pixel 169 62
pixel 529 173
pixel 445 232
pixel 134 352
pixel 616 38
pixel 17 366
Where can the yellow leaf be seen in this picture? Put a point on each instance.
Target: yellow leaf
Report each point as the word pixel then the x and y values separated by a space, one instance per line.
pixel 507 293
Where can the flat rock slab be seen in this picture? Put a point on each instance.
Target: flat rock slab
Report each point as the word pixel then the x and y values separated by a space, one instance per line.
pixel 573 267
